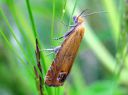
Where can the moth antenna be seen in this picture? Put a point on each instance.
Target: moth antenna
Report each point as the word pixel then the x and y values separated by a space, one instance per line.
pixel 95 13
pixel 82 12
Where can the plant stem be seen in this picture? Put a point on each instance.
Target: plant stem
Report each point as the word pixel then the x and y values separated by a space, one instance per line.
pixel 38 76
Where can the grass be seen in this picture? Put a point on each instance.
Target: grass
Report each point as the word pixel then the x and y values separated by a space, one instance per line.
pixel 21 26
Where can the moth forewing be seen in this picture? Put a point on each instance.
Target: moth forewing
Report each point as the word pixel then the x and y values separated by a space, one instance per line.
pixel 63 62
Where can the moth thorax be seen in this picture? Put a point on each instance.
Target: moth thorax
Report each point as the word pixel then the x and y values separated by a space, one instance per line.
pixel 80 20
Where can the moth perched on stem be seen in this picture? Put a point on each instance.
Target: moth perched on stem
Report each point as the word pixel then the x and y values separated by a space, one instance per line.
pixel 66 53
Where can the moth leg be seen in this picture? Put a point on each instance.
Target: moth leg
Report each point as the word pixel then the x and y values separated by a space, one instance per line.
pixel 68 33
pixel 54 50
pixel 58 38
pixel 50 53
pixel 72 25
pixel 66 24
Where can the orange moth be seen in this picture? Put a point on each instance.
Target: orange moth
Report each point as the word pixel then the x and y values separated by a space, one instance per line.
pixel 66 53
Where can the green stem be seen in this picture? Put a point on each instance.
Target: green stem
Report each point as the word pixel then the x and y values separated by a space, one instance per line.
pixel 53 17
pixel 31 18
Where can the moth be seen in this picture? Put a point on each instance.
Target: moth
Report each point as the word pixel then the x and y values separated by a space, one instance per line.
pixel 65 54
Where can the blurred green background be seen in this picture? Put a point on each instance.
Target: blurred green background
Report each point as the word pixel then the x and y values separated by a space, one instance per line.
pixel 101 66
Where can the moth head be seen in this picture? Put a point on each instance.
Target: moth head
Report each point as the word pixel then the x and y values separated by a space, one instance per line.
pixel 79 19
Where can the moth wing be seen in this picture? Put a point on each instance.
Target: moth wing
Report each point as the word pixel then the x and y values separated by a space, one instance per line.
pixel 62 64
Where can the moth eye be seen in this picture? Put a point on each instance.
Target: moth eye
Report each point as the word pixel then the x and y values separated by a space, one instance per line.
pixel 75 19
pixel 62 76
